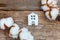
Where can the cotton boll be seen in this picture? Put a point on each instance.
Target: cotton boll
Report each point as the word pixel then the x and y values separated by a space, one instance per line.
pixel 48 2
pixel 14 31
pixel 45 8
pixel 43 1
pixel 9 21
pixel 52 2
pixel 54 13
pixel 25 35
pixel 2 22
pixel 55 2
pixel 24 29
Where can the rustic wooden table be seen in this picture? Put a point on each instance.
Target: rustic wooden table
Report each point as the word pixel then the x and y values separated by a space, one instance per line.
pixel 46 30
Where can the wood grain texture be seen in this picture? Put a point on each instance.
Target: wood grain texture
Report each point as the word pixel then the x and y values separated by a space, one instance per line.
pixel 46 30
pixel 21 5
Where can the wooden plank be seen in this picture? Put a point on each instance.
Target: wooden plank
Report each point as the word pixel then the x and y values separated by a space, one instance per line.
pixel 20 4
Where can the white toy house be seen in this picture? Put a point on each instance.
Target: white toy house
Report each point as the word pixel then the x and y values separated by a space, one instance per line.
pixel 32 19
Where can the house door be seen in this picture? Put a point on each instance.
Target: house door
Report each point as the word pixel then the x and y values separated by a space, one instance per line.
pixel 33 22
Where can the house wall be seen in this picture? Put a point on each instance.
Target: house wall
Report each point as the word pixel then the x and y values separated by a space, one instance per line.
pixel 46 30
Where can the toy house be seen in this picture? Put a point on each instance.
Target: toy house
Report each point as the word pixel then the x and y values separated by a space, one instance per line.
pixel 32 19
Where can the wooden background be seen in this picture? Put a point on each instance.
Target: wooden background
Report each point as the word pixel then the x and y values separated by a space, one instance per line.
pixel 20 4
pixel 20 9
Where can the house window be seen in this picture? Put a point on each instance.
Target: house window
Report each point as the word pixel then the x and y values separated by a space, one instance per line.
pixel 32 15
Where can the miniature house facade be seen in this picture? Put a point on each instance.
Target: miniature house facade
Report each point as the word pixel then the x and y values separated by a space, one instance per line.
pixel 32 19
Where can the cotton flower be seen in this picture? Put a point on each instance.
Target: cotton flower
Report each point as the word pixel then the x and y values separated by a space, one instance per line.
pixel 25 35
pixel 5 24
pixel 50 8
pixel 2 22
pixel 14 31
pixel 9 21
pixel 45 8
pixel 43 1
pixel 52 2
pixel 48 2
pixel 52 15
pixel 6 21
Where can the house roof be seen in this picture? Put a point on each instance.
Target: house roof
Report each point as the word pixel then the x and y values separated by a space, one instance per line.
pixel 32 13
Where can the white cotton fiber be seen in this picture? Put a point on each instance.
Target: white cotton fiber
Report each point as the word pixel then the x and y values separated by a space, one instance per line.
pixel 2 22
pixel 45 8
pixel 14 31
pixel 26 35
pixel 49 2
pixel 9 21
pixel 52 2
pixel 45 4
pixel 54 13
pixel 43 1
